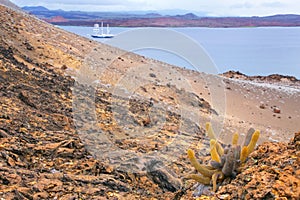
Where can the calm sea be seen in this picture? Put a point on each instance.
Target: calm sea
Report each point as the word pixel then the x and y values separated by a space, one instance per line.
pixel 253 51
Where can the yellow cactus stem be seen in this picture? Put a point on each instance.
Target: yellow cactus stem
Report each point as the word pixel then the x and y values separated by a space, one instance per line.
pixel 210 131
pixel 212 136
pixel 213 151
pixel 215 177
pixel 235 139
pixel 244 154
pixel 220 149
pixel 204 170
pixel 253 141
pixel 199 178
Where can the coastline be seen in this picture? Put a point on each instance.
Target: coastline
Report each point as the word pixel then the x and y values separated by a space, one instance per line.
pixel 236 54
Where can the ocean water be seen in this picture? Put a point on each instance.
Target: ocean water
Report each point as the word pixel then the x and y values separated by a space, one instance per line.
pixel 253 51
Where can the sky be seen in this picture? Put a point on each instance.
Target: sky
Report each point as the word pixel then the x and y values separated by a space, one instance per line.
pixel 202 7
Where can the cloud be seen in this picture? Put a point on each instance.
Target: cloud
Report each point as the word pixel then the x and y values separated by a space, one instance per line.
pixel 243 5
pixel 212 7
pixel 91 2
pixel 88 5
pixel 71 2
pixel 275 4
pixel 76 3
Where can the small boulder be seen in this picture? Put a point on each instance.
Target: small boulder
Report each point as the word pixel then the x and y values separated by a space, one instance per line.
pixel 262 106
pixel 276 110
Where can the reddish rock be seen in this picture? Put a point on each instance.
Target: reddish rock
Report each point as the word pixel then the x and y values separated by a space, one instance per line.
pixel 276 110
pixel 56 19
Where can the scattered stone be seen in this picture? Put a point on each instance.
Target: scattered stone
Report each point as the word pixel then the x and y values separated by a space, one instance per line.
pixel 3 134
pixel 152 75
pixel 162 176
pixel 262 106
pixel 24 96
pixel 64 67
pixel 276 110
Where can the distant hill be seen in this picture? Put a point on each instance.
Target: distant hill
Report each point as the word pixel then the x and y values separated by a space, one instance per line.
pixel 155 19
pixel 45 13
pixel 35 8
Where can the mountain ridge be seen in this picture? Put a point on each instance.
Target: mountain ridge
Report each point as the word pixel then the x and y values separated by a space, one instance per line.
pixel 156 19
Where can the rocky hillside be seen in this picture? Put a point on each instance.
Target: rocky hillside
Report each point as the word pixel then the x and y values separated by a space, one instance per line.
pixel 274 78
pixel 70 132
pixel 42 154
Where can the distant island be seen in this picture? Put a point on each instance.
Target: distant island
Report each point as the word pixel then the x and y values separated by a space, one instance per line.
pixel 155 19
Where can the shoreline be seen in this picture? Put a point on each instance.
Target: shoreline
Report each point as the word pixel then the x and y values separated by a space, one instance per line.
pixel 208 27
pixel 204 40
